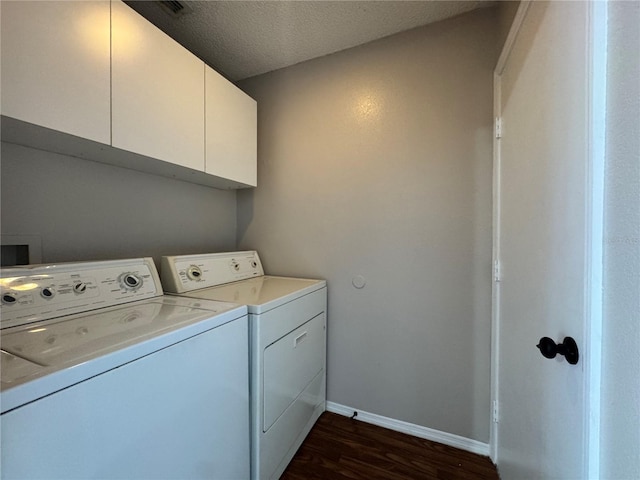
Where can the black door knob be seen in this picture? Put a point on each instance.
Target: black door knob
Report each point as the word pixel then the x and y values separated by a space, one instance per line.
pixel 547 347
pixel 568 348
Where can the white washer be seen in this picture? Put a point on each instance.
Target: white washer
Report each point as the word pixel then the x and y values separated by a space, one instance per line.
pixel 104 377
pixel 287 330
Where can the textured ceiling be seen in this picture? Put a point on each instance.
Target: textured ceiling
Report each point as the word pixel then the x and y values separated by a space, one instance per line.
pixel 241 39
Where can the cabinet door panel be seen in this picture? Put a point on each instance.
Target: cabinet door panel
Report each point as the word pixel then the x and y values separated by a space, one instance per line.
pixel 56 66
pixel 158 92
pixel 231 126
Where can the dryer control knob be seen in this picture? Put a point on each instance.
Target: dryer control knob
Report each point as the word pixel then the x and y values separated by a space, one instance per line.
pixel 80 287
pixel 48 292
pixel 194 273
pixel 9 298
pixel 130 281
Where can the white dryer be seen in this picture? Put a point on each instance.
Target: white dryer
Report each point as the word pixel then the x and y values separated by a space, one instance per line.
pixel 287 330
pixel 102 376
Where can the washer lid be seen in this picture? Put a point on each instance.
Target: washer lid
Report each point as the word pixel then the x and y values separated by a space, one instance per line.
pixel 260 294
pixel 61 352
pixel 77 338
pixel 14 368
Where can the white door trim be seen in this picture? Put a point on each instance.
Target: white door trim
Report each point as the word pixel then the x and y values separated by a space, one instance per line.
pixel 596 114
pixel 495 302
pixel 591 351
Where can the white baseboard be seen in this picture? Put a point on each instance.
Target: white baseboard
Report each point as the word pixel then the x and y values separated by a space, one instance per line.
pixel 445 438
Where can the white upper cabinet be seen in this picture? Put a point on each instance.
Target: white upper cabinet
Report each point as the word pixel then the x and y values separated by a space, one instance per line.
pixel 95 80
pixel 55 66
pixel 157 92
pixel 231 130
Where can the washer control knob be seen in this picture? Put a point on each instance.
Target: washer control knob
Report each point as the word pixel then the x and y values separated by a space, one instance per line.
pixel 130 281
pixel 194 273
pixel 48 292
pixel 80 287
pixel 9 298
pixel 235 265
pixel 254 264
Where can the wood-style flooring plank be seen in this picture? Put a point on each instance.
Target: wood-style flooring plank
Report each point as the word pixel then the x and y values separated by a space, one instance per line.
pixel 343 449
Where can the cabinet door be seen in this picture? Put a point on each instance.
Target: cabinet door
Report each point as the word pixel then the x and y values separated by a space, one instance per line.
pixel 157 92
pixel 55 66
pixel 231 126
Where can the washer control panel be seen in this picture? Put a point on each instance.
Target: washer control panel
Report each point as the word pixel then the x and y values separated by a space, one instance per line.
pixel 191 272
pixel 41 292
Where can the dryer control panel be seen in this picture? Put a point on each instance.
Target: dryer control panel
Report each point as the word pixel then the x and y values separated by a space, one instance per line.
pixel 191 272
pixel 41 292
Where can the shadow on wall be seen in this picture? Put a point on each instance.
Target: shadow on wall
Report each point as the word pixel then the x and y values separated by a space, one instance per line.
pixel 83 210
pixel 245 199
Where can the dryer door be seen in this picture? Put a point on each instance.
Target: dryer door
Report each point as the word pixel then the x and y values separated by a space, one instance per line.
pixel 290 365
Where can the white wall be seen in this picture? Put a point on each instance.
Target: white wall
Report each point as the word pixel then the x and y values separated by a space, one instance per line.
pixel 621 330
pixel 376 161
pixel 84 210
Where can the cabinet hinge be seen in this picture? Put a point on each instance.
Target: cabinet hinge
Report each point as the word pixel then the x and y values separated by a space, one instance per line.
pixel 498 127
pixel 496 271
pixel 494 413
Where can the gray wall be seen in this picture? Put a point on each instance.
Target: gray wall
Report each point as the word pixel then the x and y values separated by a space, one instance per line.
pixel 621 330
pixel 376 161
pixel 84 210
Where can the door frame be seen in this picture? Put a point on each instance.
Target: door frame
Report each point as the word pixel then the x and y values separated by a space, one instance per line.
pixel 591 354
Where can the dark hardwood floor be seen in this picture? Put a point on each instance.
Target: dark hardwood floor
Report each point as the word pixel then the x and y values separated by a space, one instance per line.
pixel 341 448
